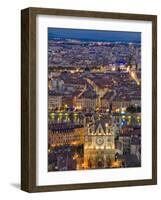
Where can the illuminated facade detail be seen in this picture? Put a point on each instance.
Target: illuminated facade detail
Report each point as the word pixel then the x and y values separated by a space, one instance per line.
pixel 99 145
pixel 88 99
pixel 65 135
pixel 54 101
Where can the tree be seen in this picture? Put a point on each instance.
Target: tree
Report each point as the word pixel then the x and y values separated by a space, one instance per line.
pixel 138 109
pixel 131 109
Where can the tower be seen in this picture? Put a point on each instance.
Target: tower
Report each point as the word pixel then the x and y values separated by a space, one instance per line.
pixel 99 145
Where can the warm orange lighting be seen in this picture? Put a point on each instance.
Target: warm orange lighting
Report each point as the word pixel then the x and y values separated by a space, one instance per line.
pixel 128 69
pixel 138 83
pixel 116 164
pixel 133 74
pixel 113 69
pixel 75 156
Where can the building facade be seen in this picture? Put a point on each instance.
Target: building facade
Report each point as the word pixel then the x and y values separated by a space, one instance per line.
pixel 99 145
pixel 54 101
pixel 88 100
pixel 64 134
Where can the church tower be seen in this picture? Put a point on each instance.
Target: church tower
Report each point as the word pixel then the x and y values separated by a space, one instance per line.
pixel 99 145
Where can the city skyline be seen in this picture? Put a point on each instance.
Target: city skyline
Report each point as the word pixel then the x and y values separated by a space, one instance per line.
pixel 94 35
pixel 94 100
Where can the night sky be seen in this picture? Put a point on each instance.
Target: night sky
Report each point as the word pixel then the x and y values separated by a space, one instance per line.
pixel 93 35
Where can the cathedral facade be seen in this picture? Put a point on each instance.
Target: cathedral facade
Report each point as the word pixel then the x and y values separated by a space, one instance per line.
pixel 99 145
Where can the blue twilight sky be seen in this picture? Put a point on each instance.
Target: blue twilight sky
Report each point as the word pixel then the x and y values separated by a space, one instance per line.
pixel 96 35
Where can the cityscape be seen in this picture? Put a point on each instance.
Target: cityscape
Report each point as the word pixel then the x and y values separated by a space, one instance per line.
pixel 94 99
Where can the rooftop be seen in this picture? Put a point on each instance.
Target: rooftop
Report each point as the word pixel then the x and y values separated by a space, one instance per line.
pixel 89 94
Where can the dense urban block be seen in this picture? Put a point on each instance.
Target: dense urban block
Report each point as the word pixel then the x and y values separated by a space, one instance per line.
pixel 94 101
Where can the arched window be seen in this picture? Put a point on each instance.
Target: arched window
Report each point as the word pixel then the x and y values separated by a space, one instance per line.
pixel 99 130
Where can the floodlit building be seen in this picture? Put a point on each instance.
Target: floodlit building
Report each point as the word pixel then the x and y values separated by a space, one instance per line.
pixel 89 99
pixel 65 134
pixel 99 145
pixel 54 101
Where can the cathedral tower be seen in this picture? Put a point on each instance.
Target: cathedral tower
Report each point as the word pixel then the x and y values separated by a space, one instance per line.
pixel 99 145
